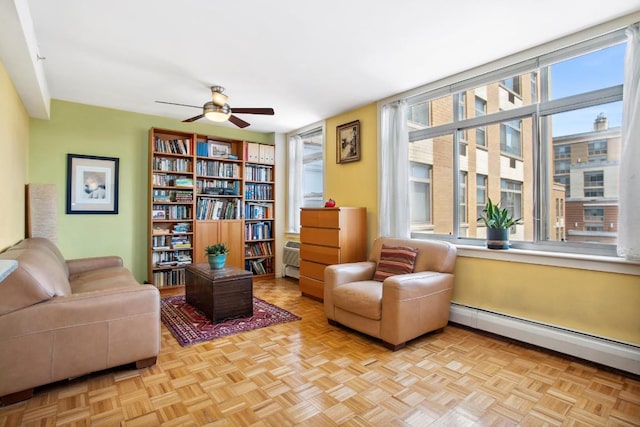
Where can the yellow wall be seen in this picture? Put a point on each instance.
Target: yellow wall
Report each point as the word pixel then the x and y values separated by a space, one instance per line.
pixel 355 183
pixel 89 130
pixel 14 152
pixel 599 303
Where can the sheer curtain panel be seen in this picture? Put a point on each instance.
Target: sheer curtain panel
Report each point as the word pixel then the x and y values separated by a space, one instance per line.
pixel 629 214
pixel 393 171
pixel 296 154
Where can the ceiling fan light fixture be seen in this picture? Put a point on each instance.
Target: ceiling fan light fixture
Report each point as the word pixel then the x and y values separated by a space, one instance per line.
pixel 216 113
pixel 218 97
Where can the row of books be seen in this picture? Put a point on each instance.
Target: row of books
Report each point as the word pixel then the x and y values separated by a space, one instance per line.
pixel 172 196
pixel 173 146
pixel 202 184
pixel 257 231
pixel 208 208
pixel 258 191
pixel 170 180
pixel 259 266
pixel 173 212
pixel 169 277
pixel 254 210
pixel 217 168
pixel 259 173
pixel 172 165
pixel 258 249
pixel 171 258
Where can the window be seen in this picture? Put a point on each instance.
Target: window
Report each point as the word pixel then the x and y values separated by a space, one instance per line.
pixel 549 129
pixel 594 184
pixel 418 115
pixel 510 140
pixel 597 150
pixel 481 194
pixel 305 181
pixel 420 195
pixel 513 84
pixel 481 132
pixel 593 214
pixel 462 199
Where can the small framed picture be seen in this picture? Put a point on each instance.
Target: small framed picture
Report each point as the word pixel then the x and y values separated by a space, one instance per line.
pixel 219 149
pixel 348 142
pixel 158 214
pixel 92 184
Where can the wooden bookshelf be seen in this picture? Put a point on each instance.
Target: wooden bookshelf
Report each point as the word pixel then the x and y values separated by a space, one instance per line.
pixel 204 190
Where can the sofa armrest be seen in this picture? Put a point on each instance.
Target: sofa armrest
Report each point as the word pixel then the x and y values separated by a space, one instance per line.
pixel 413 304
pixel 340 274
pixel 80 265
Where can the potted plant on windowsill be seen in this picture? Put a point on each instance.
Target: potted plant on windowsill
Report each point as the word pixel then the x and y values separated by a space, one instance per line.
pixel 498 222
pixel 217 255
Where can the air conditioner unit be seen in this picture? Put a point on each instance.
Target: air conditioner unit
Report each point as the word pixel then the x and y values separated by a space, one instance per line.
pixel 291 259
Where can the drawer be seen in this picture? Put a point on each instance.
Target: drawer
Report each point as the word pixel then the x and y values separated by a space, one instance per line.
pixel 325 218
pixel 320 254
pixel 311 287
pixel 320 236
pixel 312 269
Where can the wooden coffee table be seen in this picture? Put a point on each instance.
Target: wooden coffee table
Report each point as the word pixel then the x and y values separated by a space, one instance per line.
pixel 220 294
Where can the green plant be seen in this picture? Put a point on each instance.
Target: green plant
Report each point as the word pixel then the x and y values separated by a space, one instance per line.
pixel 217 249
pixel 497 217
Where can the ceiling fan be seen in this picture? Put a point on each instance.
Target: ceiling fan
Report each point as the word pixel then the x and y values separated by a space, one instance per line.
pixel 218 110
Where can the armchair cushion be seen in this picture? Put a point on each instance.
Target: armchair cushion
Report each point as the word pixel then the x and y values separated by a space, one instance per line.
pixel 395 260
pixel 362 298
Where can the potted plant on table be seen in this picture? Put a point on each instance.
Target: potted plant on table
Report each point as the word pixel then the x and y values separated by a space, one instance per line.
pixel 217 255
pixel 498 221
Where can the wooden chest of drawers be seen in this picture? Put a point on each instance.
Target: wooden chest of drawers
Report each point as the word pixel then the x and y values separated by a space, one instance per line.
pixel 329 236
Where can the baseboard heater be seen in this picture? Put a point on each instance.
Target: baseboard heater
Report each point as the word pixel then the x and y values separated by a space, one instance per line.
pixel 610 353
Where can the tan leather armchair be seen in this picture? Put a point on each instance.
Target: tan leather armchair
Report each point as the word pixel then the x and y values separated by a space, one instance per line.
pixel 403 306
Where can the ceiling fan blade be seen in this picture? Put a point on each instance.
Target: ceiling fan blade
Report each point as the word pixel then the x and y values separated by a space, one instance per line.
pixel 175 103
pixel 238 121
pixel 194 118
pixel 266 111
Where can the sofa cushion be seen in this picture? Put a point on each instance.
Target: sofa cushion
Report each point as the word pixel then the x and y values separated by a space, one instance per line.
pixel 395 260
pixel 362 298
pixel 39 277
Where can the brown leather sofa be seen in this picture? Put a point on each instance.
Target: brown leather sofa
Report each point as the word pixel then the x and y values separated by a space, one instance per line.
pixel 403 306
pixel 62 319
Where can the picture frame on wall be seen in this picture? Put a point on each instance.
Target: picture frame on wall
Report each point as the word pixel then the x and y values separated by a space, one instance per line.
pixel 92 184
pixel 348 142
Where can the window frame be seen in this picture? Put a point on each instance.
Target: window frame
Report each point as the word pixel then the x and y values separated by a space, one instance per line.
pixel 538 111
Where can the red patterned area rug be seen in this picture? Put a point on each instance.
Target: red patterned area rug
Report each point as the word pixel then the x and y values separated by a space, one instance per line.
pixel 190 326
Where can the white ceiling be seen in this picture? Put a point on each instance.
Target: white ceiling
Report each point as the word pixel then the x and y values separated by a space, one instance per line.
pixel 307 60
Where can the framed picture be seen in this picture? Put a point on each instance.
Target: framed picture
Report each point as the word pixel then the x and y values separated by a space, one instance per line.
pixel 158 214
pixel 348 142
pixel 219 149
pixel 92 184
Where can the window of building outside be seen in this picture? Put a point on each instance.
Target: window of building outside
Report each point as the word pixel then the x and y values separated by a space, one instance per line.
pixel 420 182
pixel 544 143
pixel 311 165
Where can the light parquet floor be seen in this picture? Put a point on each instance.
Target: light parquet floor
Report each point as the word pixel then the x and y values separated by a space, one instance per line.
pixel 312 374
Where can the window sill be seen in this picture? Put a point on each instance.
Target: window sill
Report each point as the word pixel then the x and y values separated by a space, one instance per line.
pixel 554 259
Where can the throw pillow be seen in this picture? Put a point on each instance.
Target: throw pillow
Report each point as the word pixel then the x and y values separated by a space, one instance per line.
pixel 395 260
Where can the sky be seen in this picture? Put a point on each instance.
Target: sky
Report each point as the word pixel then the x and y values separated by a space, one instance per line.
pixel 597 70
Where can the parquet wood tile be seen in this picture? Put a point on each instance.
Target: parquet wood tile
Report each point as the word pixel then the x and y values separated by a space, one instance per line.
pixel 309 373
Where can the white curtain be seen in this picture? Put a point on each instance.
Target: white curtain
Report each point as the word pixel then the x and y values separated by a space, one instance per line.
pixel 629 214
pixel 393 172
pixel 294 180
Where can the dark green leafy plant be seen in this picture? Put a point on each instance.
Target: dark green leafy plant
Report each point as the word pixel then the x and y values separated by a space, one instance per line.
pixel 217 249
pixel 497 217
